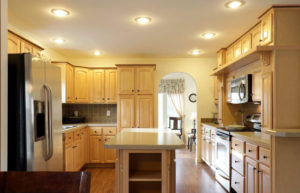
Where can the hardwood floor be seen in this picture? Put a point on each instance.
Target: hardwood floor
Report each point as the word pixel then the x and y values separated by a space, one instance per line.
pixel 191 177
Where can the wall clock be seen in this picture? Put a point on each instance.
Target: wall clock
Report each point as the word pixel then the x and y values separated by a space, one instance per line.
pixel 193 98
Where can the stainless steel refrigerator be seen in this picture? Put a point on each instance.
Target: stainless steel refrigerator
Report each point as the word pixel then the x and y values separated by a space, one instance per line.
pixel 34 114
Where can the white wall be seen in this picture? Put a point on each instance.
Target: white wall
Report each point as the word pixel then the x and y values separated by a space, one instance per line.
pixel 3 85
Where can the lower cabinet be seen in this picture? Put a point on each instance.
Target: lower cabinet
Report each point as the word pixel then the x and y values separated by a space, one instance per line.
pixel 264 179
pixel 69 157
pixel 109 154
pixel 209 146
pixel 251 168
pixel 96 149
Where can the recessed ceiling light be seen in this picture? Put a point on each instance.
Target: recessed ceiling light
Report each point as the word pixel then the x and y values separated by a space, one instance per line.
pixel 97 52
pixel 60 12
pixel 143 20
pixel 59 40
pixel 196 52
pixel 234 4
pixel 208 35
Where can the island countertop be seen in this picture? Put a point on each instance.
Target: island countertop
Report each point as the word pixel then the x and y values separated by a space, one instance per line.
pixel 145 138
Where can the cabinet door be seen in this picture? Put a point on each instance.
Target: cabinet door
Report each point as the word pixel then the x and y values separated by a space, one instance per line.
pixel 77 156
pixel 81 82
pixel 237 49
pixel 229 54
pixel 69 157
pixel 144 111
pixel 216 93
pixel 203 147
pixel 13 44
pixel 98 86
pixel 228 89
pixel 36 51
pixel 267 100
pixel 264 184
pixel 26 47
pixel 246 44
pixel 251 168
pixel 208 151
pixel 109 154
pixel 256 37
pixel 256 85
pixel 111 86
pixel 219 58
pixel 213 154
pixel 96 149
pixel 144 80
pixel 267 29
pixel 125 111
pixel 69 83
pixel 125 80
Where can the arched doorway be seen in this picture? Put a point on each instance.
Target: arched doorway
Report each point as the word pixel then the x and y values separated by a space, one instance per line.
pixel 184 105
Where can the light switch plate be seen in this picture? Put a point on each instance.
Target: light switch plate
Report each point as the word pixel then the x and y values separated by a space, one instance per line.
pixel 108 113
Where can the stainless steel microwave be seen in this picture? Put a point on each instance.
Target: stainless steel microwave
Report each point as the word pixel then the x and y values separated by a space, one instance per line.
pixel 241 89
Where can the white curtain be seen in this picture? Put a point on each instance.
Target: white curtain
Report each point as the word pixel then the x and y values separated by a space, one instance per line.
pixel 178 103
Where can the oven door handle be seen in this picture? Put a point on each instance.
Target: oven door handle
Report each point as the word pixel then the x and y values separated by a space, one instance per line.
pixel 221 174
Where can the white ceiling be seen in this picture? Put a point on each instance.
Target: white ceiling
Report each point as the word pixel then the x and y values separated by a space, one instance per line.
pixel 108 25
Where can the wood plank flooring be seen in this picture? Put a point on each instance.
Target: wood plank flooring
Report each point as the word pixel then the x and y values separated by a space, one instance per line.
pixel 191 177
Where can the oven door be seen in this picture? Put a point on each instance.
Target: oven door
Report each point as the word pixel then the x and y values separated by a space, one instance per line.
pixel 223 154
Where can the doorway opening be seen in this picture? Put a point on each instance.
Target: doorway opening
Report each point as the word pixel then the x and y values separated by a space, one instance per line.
pixel 177 107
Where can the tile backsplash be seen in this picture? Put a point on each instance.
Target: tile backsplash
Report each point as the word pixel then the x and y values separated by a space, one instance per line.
pixel 92 112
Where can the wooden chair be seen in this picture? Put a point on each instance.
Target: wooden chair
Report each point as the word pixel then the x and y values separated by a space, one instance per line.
pixel 177 126
pixel 45 182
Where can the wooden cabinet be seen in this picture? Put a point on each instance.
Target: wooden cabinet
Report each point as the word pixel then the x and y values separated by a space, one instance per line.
pixel 109 154
pixel 267 100
pixel 267 28
pixel 26 47
pixel 228 90
pixel 77 156
pixel 251 168
pixel 229 54
pixel 81 84
pixel 126 111
pixel 111 86
pixel 98 86
pixel 69 157
pixel 237 49
pixel 208 144
pixel 144 82
pixel 264 179
pixel 221 57
pixel 256 85
pixel 246 44
pixel 256 37
pixel 96 149
pixel 69 80
pixel 126 84
pixel 13 44
pixel 216 91
pixel 144 111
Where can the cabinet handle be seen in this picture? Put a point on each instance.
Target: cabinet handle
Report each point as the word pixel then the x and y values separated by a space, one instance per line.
pixel 107 98
pixel 254 168
pixel 70 137
pixel 236 161
pixel 265 157
pixel 260 40
pixel 236 182
pixel 110 131
pixel 74 146
pixel 138 90
pixel 95 131
pixel 132 90
pixel 249 150
pixel 100 140
pixel 103 98
pixel 75 98
pixel 236 144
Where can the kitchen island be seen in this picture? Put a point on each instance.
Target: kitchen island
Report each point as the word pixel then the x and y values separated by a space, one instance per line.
pixel 145 160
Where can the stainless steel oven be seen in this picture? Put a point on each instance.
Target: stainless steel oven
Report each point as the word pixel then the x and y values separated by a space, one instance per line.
pixel 241 89
pixel 223 159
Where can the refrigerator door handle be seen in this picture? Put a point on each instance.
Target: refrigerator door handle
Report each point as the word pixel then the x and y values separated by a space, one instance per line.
pixel 49 137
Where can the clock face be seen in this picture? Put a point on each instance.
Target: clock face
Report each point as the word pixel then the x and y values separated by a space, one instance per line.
pixel 193 97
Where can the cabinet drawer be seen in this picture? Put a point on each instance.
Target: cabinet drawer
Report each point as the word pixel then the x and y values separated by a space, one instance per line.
pixel 109 130
pixel 77 135
pixel 237 162
pixel 69 138
pixel 238 145
pixel 264 156
pixel 95 130
pixel 237 182
pixel 252 151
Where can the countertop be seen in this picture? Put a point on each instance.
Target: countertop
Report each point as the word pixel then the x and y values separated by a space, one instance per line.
pixel 82 125
pixel 258 138
pixel 211 124
pixel 145 138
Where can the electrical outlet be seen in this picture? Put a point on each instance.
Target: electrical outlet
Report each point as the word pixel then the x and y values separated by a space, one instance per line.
pixel 108 113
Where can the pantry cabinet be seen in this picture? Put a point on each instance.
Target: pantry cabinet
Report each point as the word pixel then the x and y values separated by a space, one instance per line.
pixel 126 80
pixel 126 111
pixel 144 111
pixel 144 80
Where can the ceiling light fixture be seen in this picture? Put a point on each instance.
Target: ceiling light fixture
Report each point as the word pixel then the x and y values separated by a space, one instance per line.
pixel 195 52
pixel 97 52
pixel 59 40
pixel 143 20
pixel 234 4
pixel 60 12
pixel 208 35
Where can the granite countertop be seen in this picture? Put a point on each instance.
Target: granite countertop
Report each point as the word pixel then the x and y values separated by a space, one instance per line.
pixel 82 125
pixel 258 138
pixel 145 138
pixel 211 124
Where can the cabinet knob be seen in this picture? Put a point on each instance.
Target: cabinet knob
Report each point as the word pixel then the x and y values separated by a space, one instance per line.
pixel 132 90
pixel 95 131
pixel 236 161
pixel 249 150
pixel 107 98
pixel 70 137
pixel 265 157
pixel 236 144
pixel 110 131
pixel 100 140
pixel 236 182
pixel 103 98
pixel 138 90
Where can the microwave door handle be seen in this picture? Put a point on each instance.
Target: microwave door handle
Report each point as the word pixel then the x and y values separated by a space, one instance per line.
pixel 241 85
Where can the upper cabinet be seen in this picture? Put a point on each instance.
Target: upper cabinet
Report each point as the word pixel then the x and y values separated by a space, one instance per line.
pixel 81 84
pixel 126 80
pixel 221 57
pixel 111 85
pixel 267 28
pixel 17 44
pixel 246 43
pixel 98 86
pixel 256 37
pixel 135 79
pixel 69 83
